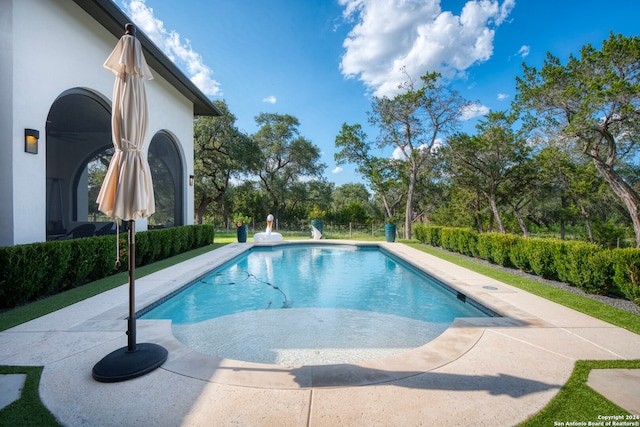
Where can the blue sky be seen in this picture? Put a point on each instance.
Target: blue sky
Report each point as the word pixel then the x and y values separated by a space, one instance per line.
pixel 322 60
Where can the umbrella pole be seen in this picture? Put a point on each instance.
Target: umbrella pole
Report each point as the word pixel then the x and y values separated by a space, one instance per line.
pixel 133 360
pixel 131 323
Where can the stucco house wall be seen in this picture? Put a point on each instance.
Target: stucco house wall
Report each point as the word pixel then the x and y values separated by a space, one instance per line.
pixel 46 48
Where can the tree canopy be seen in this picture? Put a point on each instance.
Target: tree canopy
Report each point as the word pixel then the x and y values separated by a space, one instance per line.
pixel 594 101
pixel 286 157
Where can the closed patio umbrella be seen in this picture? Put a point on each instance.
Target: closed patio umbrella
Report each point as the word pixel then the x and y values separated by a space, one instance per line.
pixel 127 192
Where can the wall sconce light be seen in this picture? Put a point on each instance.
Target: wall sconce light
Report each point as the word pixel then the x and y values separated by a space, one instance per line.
pixel 191 178
pixel 31 137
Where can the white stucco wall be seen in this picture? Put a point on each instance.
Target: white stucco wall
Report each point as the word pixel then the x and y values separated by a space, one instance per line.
pixel 56 46
pixel 6 122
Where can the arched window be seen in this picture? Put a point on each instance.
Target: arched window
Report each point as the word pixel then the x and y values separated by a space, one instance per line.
pixel 79 149
pixel 168 181
pixel 78 127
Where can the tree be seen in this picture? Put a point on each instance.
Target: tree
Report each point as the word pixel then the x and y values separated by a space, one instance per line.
pixel 593 101
pixel 286 157
pixel 96 171
pixel 412 122
pixel 349 193
pixel 461 207
pixel 248 200
pixel 382 174
pixel 522 188
pixel 489 160
pixel 221 151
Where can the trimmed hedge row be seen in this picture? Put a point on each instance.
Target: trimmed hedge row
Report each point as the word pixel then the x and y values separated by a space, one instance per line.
pixel 584 265
pixel 29 272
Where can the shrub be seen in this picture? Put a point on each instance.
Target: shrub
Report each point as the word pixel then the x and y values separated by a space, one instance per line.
pixel 501 245
pixel 448 239
pixel 29 272
pixel 519 254
pixel 540 256
pixel 597 276
pixel 626 266
pixel 484 246
pixel 558 250
pixel 580 258
pixel 585 265
pixel 428 234
pixel 468 242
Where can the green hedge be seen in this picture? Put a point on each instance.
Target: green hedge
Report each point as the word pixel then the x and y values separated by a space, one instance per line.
pixel 584 265
pixel 29 272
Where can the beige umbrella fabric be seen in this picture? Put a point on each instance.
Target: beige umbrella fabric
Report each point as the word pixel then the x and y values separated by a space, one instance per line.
pixel 127 194
pixel 127 190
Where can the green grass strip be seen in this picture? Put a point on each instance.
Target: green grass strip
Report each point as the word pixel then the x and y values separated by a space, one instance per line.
pixel 593 308
pixel 28 410
pixel 576 401
pixel 25 313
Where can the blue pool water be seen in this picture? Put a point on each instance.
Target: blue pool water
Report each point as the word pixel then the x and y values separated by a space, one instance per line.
pixel 318 276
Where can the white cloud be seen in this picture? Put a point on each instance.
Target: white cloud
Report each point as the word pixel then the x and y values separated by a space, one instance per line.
pixel 524 51
pixel 390 35
pixel 502 96
pixel 397 152
pixel 473 110
pixel 171 44
pixel 337 169
pixel 270 99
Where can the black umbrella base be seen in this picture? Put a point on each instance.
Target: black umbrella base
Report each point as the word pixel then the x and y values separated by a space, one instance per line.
pixel 122 364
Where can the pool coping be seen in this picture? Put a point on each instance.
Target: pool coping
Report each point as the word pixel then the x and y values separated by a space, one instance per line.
pixel 458 339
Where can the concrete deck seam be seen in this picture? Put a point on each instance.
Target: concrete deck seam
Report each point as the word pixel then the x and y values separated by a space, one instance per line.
pixel 594 344
pixel 533 345
pixel 309 411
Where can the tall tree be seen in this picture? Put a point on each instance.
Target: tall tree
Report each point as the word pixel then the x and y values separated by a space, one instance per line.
pixel 286 157
pixel 523 187
pixel 412 122
pixel 490 159
pixel 248 200
pixel 221 151
pixel 594 101
pixel 382 174
pixel 349 193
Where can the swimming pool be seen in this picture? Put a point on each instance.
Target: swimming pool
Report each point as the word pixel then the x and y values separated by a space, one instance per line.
pixel 312 304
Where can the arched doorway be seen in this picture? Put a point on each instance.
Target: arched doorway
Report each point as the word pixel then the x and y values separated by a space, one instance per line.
pixel 168 177
pixel 79 149
pixel 78 127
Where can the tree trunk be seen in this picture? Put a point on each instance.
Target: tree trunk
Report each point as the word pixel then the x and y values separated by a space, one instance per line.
pixel 494 210
pixel 225 212
pixel 408 217
pixel 521 223
pixel 202 207
pixel 587 222
pixel 479 215
pixel 387 209
pixel 625 192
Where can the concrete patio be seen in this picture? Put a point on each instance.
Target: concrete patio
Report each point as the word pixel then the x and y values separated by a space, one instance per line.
pixel 480 372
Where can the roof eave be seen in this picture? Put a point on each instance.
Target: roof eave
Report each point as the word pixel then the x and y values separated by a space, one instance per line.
pixel 113 19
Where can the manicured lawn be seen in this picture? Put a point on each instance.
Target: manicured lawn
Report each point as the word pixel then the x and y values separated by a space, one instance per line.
pixel 28 410
pixel 578 402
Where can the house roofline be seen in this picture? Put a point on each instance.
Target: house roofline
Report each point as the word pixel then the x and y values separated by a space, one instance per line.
pixel 113 19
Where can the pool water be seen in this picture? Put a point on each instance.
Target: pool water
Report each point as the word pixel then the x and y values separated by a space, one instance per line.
pixel 353 296
pixel 345 277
